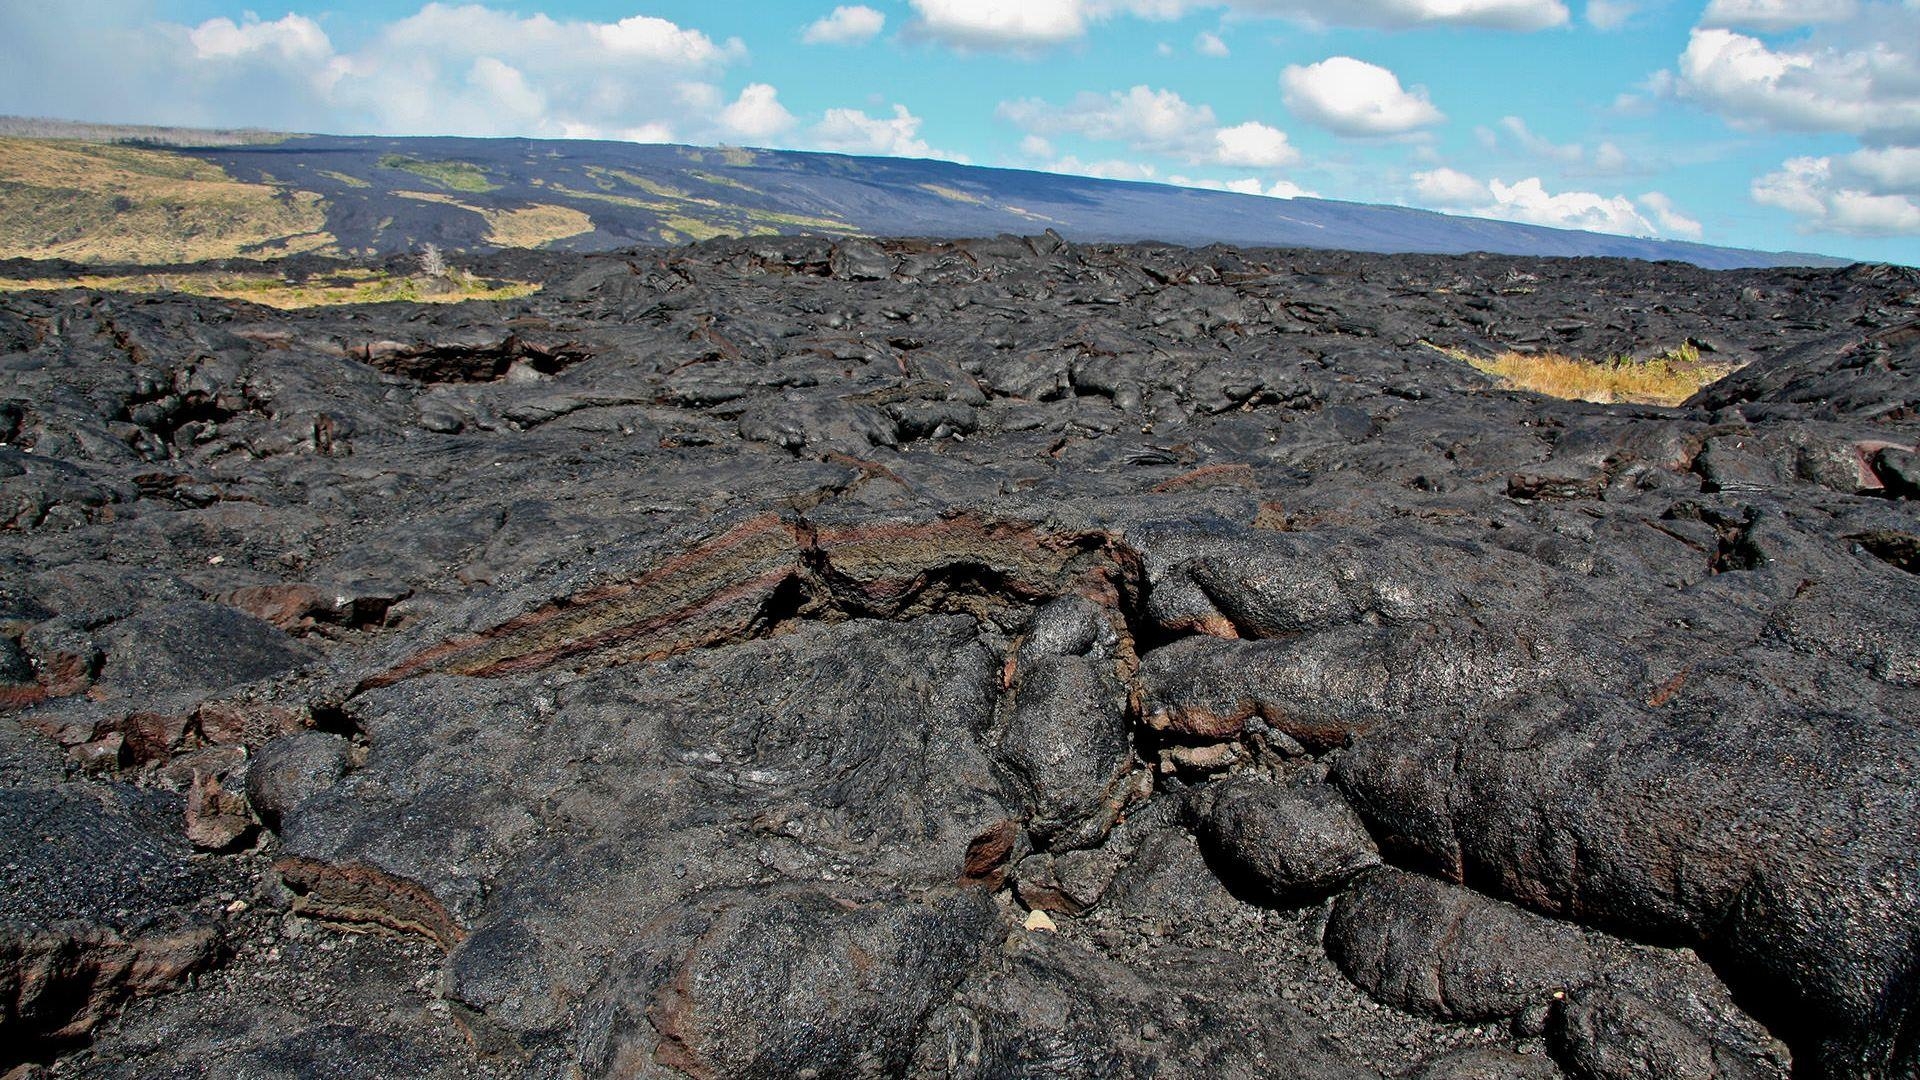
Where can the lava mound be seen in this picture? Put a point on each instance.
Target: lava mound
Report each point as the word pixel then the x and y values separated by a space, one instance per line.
pixel 786 658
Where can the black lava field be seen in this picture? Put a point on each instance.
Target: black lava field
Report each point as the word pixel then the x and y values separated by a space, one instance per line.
pixel 987 659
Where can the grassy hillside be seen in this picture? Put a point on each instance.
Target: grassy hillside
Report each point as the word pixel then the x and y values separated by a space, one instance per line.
pixel 110 203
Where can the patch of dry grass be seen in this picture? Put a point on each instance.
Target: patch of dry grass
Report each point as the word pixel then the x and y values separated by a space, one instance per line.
pixel 527 226
pixel 99 203
pixel 1667 379
pixel 346 287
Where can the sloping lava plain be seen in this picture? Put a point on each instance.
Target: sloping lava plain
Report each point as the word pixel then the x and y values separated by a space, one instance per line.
pixel 729 661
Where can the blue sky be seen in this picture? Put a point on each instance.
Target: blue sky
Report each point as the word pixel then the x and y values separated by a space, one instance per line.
pixel 1779 124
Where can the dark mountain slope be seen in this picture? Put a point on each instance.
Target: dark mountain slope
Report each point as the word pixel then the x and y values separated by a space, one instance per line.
pixel 115 195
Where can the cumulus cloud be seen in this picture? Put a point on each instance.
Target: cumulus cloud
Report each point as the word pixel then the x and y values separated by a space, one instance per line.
pixel 1279 189
pixel 1776 15
pixel 1208 43
pixel 1254 145
pixel 1839 196
pixel 1450 189
pixel 448 68
pixel 852 131
pixel 1030 25
pixel 1529 201
pixel 1111 169
pixel 845 26
pixel 460 69
pixel 1869 88
pixel 1394 14
pixel 1002 24
pixel 1888 169
pixel 1158 122
pixel 757 113
pixel 1668 216
pixel 1353 97
pixel 1155 121
pixel 291 37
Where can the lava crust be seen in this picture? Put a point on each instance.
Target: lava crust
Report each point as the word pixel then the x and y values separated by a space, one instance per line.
pixel 997 658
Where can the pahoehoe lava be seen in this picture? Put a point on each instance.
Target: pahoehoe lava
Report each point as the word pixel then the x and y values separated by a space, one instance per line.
pixel 718 663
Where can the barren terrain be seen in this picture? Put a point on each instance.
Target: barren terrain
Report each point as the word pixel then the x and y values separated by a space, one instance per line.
pixel 785 657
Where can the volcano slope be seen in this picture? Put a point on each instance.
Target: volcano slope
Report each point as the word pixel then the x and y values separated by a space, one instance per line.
pixel 781 658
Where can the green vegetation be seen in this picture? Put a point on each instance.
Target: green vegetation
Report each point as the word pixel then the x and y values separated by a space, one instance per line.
pixel 93 202
pixel 345 287
pixel 452 175
pixel 350 181
pixel 1666 379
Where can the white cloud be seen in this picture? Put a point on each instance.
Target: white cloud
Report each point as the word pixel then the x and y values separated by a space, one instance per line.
pixel 1113 169
pixel 1397 14
pixel 1254 145
pixel 1035 146
pixel 1871 88
pixel 291 37
pixel 637 36
pixel 1029 25
pixel 1450 189
pixel 1776 15
pixel 845 26
pixel 1279 189
pixel 1002 24
pixel 851 131
pixel 1158 122
pixel 1149 120
pixel 1610 14
pixel 1889 169
pixel 1826 199
pixel 757 113
pixel 506 88
pixel 1208 43
pixel 456 69
pixel 1353 97
pixel 1668 216
pixel 1530 202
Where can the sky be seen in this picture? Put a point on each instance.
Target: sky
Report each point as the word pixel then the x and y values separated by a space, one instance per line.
pixel 1771 124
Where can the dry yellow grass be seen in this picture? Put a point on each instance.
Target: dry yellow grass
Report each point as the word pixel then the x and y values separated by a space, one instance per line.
pixel 528 226
pixel 1667 379
pixel 532 226
pixel 99 203
pixel 346 287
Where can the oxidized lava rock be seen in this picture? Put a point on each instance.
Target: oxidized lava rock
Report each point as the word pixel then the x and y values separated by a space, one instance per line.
pixel 99 901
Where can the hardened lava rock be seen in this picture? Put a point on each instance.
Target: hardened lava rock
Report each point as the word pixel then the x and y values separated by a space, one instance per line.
pixel 787 657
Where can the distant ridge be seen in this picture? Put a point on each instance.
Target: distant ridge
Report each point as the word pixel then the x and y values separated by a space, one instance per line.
pixel 254 193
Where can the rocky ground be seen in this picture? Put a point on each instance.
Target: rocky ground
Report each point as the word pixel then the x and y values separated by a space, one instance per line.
pixel 990 659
